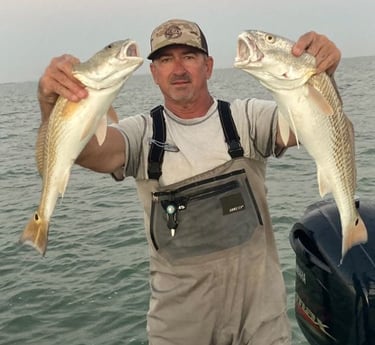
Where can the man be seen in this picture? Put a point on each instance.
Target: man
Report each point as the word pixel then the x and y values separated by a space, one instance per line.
pixel 199 166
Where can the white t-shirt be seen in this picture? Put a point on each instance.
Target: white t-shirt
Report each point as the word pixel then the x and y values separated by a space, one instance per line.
pixel 199 142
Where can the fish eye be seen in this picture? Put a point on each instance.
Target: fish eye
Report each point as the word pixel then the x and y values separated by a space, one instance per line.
pixel 270 38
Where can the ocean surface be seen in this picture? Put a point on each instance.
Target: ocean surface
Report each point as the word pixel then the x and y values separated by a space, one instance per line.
pixel 92 286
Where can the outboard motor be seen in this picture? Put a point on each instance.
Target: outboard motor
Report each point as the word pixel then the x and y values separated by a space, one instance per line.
pixel 334 303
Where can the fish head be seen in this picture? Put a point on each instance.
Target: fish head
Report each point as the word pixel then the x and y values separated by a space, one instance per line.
pixel 110 66
pixel 268 58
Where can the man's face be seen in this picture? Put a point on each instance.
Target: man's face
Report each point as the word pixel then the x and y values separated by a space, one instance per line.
pixel 181 73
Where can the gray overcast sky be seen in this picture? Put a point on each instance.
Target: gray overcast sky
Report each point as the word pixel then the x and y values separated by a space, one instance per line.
pixel 33 31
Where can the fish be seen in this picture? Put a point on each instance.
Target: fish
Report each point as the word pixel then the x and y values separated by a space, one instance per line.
pixel 72 124
pixel 309 105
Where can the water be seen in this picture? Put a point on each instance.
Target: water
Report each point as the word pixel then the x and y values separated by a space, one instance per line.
pixel 92 286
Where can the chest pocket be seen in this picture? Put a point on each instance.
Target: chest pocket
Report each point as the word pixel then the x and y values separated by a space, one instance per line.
pixel 204 217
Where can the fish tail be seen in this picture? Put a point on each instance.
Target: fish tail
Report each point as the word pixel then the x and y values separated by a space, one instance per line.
pixel 36 233
pixel 356 234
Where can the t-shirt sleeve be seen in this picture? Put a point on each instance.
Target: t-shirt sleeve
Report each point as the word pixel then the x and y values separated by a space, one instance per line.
pixel 133 130
pixel 258 122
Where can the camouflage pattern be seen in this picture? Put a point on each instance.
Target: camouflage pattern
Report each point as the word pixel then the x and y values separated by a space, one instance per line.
pixel 177 31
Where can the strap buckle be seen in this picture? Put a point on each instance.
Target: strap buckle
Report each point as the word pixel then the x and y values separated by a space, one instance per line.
pixel 235 149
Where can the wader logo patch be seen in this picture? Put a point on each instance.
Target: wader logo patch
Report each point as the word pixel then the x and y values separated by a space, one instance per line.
pixel 232 203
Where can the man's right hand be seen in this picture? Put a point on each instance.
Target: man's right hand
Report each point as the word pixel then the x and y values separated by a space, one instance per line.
pixel 58 80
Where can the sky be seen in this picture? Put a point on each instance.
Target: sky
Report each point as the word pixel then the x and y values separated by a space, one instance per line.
pixel 32 32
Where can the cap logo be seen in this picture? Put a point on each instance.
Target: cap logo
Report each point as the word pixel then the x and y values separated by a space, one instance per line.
pixel 172 32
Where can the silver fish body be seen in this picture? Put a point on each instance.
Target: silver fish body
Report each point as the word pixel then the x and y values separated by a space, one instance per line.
pixel 71 125
pixel 309 104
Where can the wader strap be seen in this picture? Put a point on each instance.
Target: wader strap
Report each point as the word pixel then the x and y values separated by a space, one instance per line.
pixel 229 128
pixel 156 153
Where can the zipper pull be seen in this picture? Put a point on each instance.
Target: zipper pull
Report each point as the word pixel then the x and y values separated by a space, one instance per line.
pixel 172 223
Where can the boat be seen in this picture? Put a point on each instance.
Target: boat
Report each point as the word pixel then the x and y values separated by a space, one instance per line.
pixel 334 302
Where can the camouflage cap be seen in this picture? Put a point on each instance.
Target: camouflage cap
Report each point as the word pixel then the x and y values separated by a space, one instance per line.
pixel 177 31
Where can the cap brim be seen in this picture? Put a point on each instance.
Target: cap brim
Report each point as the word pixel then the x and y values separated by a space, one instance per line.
pixel 153 55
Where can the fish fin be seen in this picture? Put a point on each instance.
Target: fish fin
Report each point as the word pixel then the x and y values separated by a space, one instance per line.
pixel 294 128
pixel 324 187
pixel 320 101
pixel 64 182
pixel 101 130
pixel 36 233
pixel 40 146
pixel 284 129
pixel 111 114
pixel 356 234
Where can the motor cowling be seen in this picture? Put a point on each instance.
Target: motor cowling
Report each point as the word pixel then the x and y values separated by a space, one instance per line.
pixel 334 303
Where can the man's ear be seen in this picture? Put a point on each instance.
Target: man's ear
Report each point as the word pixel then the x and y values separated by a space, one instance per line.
pixel 210 66
pixel 153 73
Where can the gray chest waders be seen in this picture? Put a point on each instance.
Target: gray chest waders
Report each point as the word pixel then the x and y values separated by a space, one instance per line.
pixel 214 271
pixel 203 216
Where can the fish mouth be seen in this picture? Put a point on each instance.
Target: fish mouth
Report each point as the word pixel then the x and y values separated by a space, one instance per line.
pixel 111 66
pixel 129 49
pixel 247 50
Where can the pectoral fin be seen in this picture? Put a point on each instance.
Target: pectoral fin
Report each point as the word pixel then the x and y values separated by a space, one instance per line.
pixel 294 128
pixel 64 182
pixel 284 129
pixel 321 103
pixel 101 131
pixel 324 187
pixel 112 115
